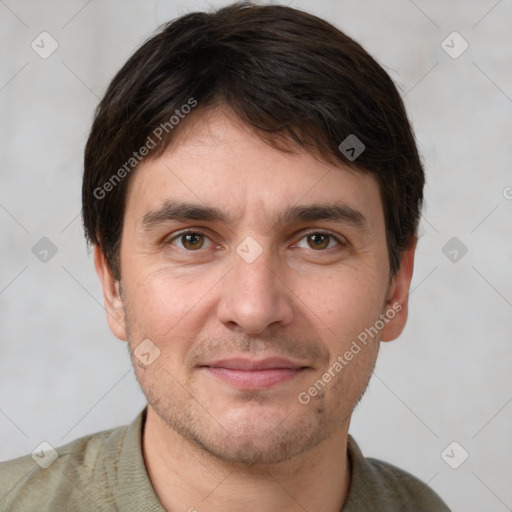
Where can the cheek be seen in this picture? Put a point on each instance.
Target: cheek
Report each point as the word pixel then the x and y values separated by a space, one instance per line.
pixel 342 303
pixel 159 310
pixel 160 304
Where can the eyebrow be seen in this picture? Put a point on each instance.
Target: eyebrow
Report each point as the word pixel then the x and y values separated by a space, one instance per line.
pixel 182 210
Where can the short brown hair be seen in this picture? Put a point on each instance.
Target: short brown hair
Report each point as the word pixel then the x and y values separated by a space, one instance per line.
pixel 288 74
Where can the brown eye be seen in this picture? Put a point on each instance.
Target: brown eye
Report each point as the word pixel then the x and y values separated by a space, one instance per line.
pixel 191 240
pixel 318 240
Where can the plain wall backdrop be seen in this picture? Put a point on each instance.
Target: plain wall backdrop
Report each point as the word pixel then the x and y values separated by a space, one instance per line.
pixel 446 379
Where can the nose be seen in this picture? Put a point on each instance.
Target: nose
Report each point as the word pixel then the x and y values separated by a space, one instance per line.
pixel 255 295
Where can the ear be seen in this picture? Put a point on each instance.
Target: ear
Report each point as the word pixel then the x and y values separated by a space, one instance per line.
pixel 398 295
pixel 111 295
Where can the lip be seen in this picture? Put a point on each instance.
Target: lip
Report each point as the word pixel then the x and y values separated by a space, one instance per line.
pixel 249 374
pixel 243 364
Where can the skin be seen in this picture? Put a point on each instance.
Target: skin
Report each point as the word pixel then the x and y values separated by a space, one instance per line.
pixel 206 443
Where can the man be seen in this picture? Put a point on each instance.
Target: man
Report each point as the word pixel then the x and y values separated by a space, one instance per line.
pixel 252 190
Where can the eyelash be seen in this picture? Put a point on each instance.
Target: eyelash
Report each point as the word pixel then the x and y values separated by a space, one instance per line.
pixel 341 243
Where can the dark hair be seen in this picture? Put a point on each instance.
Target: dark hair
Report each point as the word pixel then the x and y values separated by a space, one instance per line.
pixel 292 76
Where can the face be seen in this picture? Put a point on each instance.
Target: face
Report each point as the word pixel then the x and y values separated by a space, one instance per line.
pixel 247 275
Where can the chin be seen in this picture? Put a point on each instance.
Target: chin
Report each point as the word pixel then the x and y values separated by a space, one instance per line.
pixel 253 429
pixel 251 436
pixel 254 447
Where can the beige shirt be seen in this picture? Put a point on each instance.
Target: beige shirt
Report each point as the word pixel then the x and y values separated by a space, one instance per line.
pixel 106 472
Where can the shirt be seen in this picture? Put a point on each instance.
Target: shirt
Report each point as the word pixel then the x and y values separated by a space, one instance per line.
pixel 105 472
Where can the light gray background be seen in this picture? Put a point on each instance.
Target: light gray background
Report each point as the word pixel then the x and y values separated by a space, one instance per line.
pixel 448 378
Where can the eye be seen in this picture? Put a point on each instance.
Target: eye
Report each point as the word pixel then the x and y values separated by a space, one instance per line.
pixel 190 240
pixel 319 241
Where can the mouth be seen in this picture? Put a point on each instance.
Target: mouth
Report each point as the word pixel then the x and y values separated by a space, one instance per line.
pixel 248 374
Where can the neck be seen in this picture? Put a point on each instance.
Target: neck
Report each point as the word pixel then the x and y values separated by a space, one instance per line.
pixel 186 477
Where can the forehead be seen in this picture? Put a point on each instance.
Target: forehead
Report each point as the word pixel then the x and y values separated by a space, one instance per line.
pixel 221 163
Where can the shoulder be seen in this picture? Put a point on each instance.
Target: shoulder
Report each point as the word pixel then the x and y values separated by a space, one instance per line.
pixel 58 478
pixel 378 485
pixel 403 487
